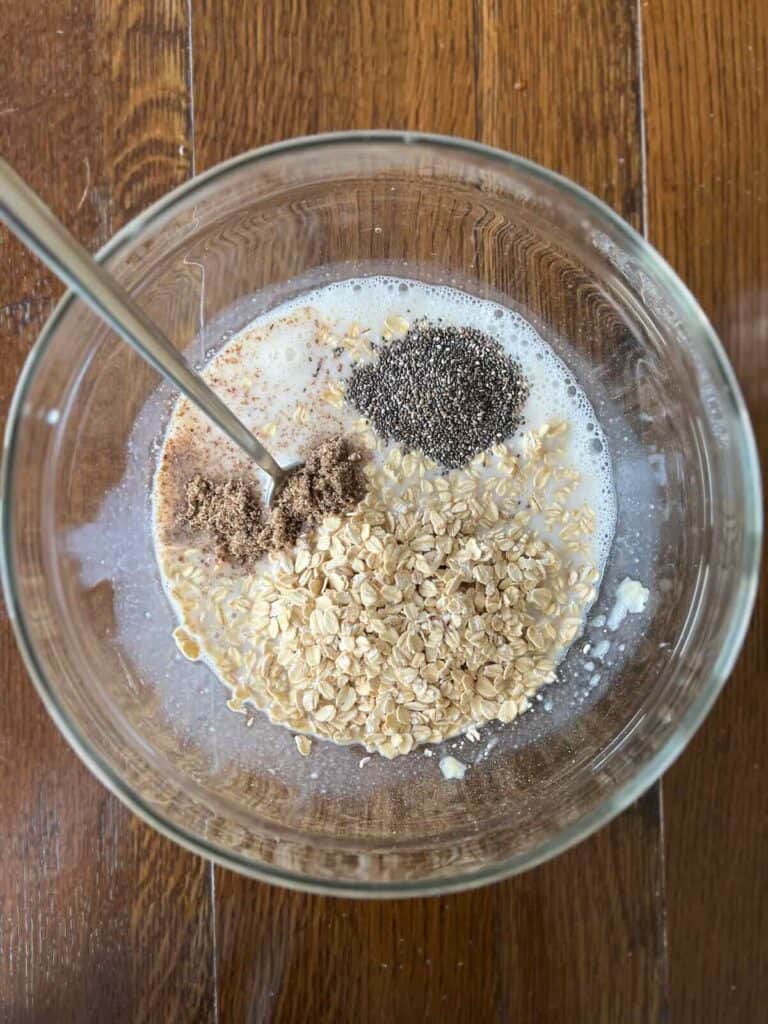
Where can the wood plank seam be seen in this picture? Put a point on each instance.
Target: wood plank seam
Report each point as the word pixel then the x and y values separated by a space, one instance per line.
pixel 641 117
pixel 191 89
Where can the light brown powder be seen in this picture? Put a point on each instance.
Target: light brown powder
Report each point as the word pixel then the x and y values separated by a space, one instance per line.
pixel 331 481
pixel 230 513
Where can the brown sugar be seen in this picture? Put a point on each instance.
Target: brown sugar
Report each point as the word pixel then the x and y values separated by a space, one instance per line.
pixel 331 481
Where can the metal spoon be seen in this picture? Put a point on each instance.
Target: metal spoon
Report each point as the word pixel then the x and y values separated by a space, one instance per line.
pixel 31 220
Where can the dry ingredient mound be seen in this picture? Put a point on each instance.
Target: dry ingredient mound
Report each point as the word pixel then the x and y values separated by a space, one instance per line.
pixel 447 391
pixel 230 512
pixel 434 606
pixel 330 482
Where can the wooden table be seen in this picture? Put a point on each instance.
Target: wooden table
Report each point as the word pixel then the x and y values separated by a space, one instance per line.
pixel 660 109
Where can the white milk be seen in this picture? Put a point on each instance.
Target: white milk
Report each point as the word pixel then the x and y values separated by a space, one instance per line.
pixel 275 375
pixel 277 365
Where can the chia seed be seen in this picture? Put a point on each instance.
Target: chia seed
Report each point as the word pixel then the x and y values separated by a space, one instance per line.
pixel 450 391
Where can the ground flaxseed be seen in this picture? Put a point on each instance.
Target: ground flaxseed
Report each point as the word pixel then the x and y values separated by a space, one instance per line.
pixel 331 481
pixel 230 513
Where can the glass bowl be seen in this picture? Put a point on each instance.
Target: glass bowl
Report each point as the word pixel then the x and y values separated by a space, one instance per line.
pixel 85 595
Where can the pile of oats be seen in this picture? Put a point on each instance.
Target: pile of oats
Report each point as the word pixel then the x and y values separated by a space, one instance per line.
pixel 437 604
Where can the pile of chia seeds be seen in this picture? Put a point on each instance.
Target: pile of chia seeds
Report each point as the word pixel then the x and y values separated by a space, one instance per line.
pixel 449 391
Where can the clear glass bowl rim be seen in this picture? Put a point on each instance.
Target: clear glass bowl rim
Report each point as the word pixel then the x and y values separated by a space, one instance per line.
pixel 739 614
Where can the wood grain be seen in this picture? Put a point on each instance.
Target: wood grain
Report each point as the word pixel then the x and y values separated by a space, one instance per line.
pixel 100 917
pixel 576 940
pixel 559 83
pixel 275 70
pixel 708 202
pixel 537 79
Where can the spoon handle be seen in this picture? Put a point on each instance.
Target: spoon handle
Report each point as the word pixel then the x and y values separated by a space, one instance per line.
pixel 29 218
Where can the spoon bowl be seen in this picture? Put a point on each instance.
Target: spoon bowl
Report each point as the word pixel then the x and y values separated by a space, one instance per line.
pixel 276 484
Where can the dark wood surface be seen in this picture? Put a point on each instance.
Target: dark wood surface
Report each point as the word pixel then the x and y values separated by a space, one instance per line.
pixel 100 918
pixel 659 108
pixel 707 122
